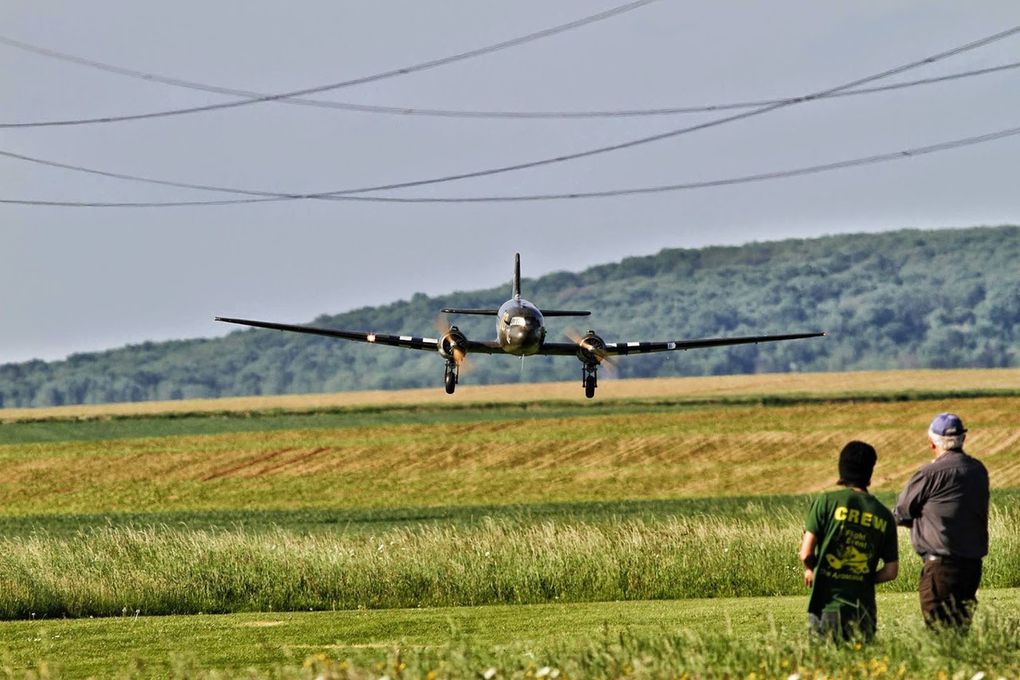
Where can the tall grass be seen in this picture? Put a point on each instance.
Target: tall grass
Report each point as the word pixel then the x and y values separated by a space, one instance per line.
pixel 113 570
pixel 377 519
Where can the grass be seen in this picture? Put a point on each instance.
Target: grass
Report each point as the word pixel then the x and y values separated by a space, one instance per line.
pixel 353 521
pixel 104 572
pixel 24 430
pixel 46 430
pixel 500 496
pixel 705 638
pixel 705 450
pixel 856 383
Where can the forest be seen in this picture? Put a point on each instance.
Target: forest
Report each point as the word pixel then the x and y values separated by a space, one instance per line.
pixel 911 298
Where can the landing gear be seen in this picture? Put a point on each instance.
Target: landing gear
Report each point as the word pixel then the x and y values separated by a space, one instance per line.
pixel 589 378
pixel 451 376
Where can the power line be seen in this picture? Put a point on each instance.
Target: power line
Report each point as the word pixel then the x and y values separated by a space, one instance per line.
pixel 454 113
pixel 139 204
pixel 685 130
pixel 633 113
pixel 743 179
pixel 536 163
pixel 152 180
pixel 255 98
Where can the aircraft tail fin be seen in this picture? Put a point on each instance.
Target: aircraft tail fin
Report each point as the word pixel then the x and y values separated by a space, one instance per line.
pixel 517 276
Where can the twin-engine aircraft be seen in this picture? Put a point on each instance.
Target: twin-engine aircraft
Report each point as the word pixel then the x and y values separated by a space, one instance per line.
pixel 520 331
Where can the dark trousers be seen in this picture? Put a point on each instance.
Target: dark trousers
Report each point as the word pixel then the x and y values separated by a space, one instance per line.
pixel 948 590
pixel 846 621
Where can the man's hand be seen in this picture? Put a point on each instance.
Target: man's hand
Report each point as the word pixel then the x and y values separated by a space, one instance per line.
pixel 809 577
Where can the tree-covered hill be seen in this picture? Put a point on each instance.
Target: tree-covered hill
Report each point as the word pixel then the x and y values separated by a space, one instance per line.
pixel 903 299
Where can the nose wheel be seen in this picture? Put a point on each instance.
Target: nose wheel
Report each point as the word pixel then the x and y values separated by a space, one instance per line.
pixel 589 378
pixel 451 376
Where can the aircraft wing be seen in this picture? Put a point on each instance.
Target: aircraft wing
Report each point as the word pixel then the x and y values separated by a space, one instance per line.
pixel 406 341
pixel 481 312
pixel 621 348
pixel 564 312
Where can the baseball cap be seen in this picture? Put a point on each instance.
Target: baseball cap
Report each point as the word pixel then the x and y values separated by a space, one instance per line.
pixel 947 425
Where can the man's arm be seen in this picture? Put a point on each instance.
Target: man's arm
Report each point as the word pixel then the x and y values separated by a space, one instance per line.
pixel 909 504
pixel 888 572
pixel 807 557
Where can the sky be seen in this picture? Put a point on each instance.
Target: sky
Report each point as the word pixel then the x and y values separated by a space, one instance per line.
pixel 85 279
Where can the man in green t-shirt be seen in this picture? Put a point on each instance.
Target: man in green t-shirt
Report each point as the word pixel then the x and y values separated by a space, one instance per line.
pixel 847 533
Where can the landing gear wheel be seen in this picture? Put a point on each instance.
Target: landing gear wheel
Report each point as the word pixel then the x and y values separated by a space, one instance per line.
pixel 589 378
pixel 450 378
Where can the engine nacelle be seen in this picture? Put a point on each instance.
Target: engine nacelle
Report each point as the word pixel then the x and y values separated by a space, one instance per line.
pixel 453 345
pixel 591 349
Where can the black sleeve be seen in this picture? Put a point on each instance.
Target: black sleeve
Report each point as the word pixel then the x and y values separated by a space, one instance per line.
pixel 890 546
pixel 909 504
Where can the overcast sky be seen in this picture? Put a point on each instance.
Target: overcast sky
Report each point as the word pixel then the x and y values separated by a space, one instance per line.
pixel 80 279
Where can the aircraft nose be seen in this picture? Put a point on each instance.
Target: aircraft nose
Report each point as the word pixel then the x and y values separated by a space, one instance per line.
pixel 529 338
pixel 519 333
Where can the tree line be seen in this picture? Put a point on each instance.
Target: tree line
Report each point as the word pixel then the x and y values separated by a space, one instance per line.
pixel 901 299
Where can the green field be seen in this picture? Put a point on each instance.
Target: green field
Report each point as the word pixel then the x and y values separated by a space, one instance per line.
pixel 702 638
pixel 632 537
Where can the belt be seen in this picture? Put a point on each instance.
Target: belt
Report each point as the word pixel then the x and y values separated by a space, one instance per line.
pixel 948 558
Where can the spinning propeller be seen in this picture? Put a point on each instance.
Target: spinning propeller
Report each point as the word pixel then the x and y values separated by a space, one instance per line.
pixel 452 342
pixel 591 345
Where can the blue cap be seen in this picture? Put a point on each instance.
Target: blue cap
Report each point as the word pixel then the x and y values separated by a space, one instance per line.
pixel 947 425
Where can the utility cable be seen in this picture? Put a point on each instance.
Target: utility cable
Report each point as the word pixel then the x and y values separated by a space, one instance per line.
pixel 452 113
pixel 546 161
pixel 743 179
pixel 248 99
pixel 685 130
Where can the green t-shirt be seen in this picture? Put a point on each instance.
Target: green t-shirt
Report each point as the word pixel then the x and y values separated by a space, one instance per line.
pixel 853 532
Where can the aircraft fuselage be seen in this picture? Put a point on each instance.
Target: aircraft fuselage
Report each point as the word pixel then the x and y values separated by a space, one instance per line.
pixel 520 327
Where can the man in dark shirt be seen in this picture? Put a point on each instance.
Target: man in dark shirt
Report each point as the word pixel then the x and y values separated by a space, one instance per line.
pixel 847 533
pixel 945 504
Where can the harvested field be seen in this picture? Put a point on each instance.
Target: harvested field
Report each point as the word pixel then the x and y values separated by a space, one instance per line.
pixel 707 450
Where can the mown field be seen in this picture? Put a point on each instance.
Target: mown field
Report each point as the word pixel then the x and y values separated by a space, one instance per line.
pixel 213 522
pixel 730 638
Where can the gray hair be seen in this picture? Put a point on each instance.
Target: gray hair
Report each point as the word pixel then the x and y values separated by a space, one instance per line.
pixel 947 443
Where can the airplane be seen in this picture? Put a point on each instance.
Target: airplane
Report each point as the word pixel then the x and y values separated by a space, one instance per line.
pixel 520 331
